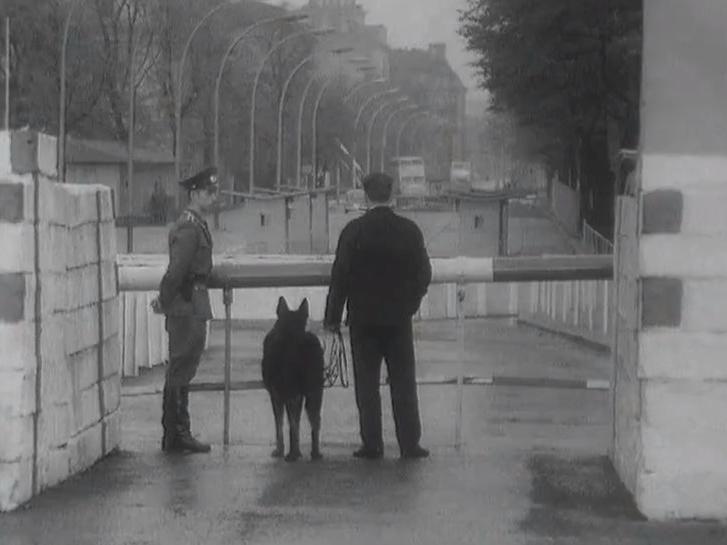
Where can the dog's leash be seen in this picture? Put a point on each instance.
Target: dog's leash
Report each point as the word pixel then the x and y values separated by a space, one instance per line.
pixel 337 366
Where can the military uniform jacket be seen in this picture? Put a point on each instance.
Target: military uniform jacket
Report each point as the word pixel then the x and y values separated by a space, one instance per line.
pixel 183 289
pixel 381 271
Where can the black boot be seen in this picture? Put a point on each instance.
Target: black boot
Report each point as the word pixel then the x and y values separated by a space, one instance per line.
pixel 170 399
pixel 184 440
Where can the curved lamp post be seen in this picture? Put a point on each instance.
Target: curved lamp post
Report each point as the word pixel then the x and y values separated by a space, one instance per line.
pixel 361 109
pixel 387 123
pixel 316 107
pixel 281 109
pixel 295 70
pixel 299 151
pixel 218 83
pixel 272 50
pixel 374 117
pixel 408 121
pixel 362 85
pixel 180 84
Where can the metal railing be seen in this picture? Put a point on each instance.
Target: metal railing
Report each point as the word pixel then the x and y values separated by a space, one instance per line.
pixel 594 242
pixel 143 273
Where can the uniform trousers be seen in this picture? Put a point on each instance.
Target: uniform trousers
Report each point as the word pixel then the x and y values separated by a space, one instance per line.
pixel 395 345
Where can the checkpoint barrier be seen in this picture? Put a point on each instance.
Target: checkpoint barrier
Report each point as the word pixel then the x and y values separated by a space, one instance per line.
pixel 142 274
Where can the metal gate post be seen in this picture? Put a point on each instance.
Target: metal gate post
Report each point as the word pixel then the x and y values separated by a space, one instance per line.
pixel 461 355
pixel 227 297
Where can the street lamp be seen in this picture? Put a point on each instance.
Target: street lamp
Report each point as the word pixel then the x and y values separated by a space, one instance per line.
pixel 374 117
pixel 362 85
pixel 316 107
pixel 180 83
pixel 371 99
pixel 386 129
pixel 273 49
pixel 218 83
pixel 279 174
pixel 403 127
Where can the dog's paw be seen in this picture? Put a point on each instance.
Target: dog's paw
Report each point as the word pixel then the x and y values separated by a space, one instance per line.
pixel 293 456
pixel 277 453
pixel 316 456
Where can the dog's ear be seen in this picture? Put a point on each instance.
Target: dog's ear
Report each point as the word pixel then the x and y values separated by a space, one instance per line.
pixel 282 307
pixel 303 308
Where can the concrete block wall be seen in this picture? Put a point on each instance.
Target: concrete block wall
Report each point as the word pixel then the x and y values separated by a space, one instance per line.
pixel 670 436
pixel 59 377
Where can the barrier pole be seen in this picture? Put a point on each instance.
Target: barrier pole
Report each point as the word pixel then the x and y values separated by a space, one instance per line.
pixel 227 296
pixel 461 355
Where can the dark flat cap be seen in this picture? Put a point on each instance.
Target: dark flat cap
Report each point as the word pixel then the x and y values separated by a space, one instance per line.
pixel 201 180
pixel 378 186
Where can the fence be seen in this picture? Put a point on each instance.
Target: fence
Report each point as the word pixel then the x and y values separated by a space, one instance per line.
pixel 576 308
pixel 594 242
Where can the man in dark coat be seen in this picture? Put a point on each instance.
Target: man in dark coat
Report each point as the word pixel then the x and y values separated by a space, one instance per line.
pixel 381 272
pixel 184 300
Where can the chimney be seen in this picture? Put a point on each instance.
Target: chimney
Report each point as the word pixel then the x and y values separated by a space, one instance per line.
pixel 438 51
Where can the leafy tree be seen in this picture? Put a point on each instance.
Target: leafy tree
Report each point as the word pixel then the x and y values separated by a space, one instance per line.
pixel 568 71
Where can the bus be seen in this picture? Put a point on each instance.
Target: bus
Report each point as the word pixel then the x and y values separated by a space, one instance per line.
pixel 409 177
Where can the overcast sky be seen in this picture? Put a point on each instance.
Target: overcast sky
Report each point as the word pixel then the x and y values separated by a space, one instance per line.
pixel 417 23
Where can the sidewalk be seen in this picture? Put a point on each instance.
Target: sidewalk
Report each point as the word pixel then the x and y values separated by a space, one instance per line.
pixel 532 470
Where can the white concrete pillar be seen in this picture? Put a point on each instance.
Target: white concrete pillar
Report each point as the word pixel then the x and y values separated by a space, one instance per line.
pixel 670 429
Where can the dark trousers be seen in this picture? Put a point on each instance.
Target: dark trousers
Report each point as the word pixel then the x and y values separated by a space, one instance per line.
pixel 395 345
pixel 187 337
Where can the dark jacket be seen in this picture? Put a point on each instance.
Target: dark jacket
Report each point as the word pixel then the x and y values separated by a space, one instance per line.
pixel 183 290
pixel 381 270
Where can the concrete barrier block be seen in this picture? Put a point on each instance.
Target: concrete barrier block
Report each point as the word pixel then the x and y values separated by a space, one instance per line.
pixel 85 197
pixel 87 411
pixel 18 344
pixel 17 434
pixel 54 340
pixel 108 240
pixel 85 448
pixel 13 299
pixel 82 328
pixel 112 429
pixel 55 425
pixel 84 368
pixel 684 429
pixel 684 440
pixel 668 354
pixel 16 200
pixel 703 214
pixel 56 382
pixel 83 246
pixel 703 305
pixel 17 248
pixel 17 393
pixel 54 467
pixel 53 244
pixel 5 163
pixel 16 483
pixel 681 496
pixel 109 289
pixel 112 355
pixel 48 155
pixel 683 256
pixel 112 394
pixel 111 318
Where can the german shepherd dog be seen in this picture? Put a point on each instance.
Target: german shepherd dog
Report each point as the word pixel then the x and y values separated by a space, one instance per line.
pixel 292 369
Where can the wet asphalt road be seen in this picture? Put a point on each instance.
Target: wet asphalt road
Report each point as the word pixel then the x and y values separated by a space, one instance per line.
pixel 533 470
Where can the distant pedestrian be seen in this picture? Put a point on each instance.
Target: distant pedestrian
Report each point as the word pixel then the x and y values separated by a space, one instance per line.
pixel 381 273
pixel 184 300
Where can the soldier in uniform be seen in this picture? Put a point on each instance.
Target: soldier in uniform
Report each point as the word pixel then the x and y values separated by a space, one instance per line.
pixel 184 300
pixel 381 272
